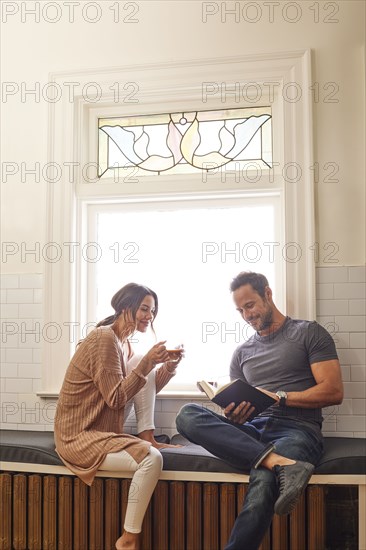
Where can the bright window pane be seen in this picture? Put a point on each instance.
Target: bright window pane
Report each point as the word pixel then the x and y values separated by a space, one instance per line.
pixel 188 254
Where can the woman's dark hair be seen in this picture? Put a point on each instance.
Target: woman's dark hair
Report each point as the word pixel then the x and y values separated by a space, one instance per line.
pixel 257 281
pixel 129 297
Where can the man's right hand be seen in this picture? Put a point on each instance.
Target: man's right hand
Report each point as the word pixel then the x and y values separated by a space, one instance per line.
pixel 240 414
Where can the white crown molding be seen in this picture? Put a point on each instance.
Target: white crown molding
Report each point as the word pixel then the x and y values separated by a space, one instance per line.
pixel 187 63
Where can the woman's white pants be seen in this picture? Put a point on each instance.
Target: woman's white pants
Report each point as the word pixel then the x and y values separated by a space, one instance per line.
pixel 142 485
pixel 146 474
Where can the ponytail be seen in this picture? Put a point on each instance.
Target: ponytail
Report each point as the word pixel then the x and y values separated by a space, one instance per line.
pixel 108 320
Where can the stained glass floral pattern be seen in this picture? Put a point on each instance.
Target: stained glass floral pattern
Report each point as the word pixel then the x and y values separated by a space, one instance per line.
pixel 204 140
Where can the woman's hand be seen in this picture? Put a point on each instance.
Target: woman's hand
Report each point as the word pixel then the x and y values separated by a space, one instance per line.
pixel 175 357
pixel 157 354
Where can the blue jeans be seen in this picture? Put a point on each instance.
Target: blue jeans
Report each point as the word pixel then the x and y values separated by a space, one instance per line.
pixel 243 446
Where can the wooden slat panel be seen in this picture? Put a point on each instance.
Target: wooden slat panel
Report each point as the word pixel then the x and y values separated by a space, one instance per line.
pixel 280 533
pixel 49 536
pixel 316 516
pixel 20 512
pixel 160 516
pixel 266 541
pixel 112 529
pixel 34 512
pixel 201 515
pixel 126 493
pixel 227 511
pixel 241 491
pixel 5 511
pixel 297 525
pixel 194 515
pixel 210 516
pixel 176 515
pixel 96 516
pixel 146 536
pixel 65 505
pixel 80 515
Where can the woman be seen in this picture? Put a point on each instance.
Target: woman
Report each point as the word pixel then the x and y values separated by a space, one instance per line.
pixel 102 378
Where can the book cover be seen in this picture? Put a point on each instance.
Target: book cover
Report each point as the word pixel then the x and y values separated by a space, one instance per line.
pixel 236 392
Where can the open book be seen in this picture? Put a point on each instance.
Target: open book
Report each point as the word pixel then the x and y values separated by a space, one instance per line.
pixel 236 392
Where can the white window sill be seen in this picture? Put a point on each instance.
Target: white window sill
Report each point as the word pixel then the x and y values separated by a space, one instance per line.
pixel 182 394
pixel 167 394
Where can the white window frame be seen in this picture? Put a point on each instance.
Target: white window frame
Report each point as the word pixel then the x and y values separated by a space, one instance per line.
pixel 172 87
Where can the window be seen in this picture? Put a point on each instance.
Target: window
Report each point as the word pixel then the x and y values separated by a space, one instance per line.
pixel 186 142
pixel 77 208
pixel 187 250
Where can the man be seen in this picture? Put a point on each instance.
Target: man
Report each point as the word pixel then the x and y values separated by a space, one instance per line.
pixel 296 363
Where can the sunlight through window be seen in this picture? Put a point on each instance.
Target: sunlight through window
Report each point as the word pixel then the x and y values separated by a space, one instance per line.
pixel 188 254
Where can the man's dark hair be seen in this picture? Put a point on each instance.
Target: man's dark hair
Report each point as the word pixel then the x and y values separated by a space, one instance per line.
pixel 256 280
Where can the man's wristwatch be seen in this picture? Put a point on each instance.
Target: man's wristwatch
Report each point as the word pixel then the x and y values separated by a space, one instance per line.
pixel 283 396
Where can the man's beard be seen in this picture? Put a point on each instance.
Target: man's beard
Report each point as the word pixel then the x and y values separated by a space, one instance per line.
pixel 265 321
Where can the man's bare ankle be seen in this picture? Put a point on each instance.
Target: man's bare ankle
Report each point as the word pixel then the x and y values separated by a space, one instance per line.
pixel 274 459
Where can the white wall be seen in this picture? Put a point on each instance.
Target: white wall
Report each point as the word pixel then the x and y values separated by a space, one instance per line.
pixel 168 31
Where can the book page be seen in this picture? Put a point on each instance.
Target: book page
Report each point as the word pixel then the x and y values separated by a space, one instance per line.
pixel 206 388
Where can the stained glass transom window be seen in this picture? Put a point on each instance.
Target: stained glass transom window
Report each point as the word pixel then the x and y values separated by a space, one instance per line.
pixel 186 142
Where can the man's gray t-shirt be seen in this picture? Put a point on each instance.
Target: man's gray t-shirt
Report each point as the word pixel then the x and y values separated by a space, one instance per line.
pixel 281 361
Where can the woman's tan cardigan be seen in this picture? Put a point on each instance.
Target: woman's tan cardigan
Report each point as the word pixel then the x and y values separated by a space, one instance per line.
pixel 89 416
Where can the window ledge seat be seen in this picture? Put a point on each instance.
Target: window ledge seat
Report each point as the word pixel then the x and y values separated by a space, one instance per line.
pixel 192 479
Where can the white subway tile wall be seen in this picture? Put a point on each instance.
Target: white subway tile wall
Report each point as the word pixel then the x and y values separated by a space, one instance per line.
pixel 21 341
pixel 341 309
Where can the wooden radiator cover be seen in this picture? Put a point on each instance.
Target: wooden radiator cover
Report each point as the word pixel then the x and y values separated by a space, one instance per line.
pixel 49 512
